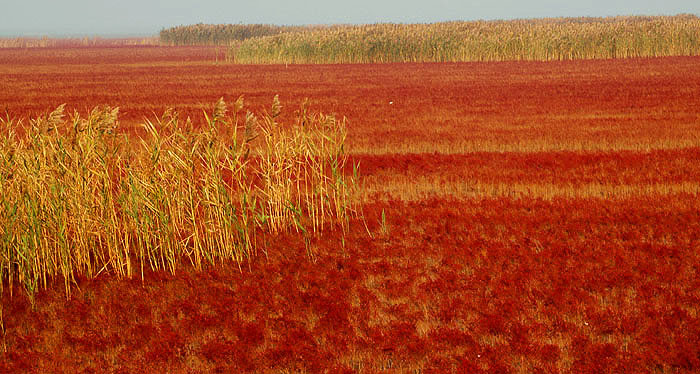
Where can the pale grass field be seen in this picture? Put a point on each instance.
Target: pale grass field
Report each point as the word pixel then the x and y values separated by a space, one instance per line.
pixel 409 188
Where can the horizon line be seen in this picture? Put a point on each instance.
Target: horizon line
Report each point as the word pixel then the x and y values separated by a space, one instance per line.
pixel 5 34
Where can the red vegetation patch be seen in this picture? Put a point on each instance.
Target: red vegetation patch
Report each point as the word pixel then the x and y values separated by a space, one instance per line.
pixel 392 108
pixel 514 303
pixel 489 285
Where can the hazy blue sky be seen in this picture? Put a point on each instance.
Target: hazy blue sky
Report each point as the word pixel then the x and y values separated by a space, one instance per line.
pixel 144 17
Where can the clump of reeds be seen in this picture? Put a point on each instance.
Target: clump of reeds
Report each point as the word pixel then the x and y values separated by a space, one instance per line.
pixel 222 34
pixel 536 39
pixel 79 198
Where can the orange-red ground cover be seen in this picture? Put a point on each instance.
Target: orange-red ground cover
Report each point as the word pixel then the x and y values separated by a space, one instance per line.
pixel 540 217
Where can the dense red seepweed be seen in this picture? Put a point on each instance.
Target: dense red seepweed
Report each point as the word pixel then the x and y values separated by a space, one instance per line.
pixel 538 217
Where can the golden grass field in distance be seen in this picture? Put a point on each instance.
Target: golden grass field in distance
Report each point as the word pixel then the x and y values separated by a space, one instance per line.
pixel 525 39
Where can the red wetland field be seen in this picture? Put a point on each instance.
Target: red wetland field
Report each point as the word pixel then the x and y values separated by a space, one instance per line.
pixel 518 217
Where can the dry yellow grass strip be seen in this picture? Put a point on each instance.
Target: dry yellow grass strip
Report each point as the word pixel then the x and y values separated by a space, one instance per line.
pixel 418 188
pixel 461 146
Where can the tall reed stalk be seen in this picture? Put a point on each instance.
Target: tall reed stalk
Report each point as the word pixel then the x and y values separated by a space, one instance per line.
pixel 77 198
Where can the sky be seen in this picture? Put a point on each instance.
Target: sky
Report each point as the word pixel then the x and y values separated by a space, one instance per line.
pixel 148 17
